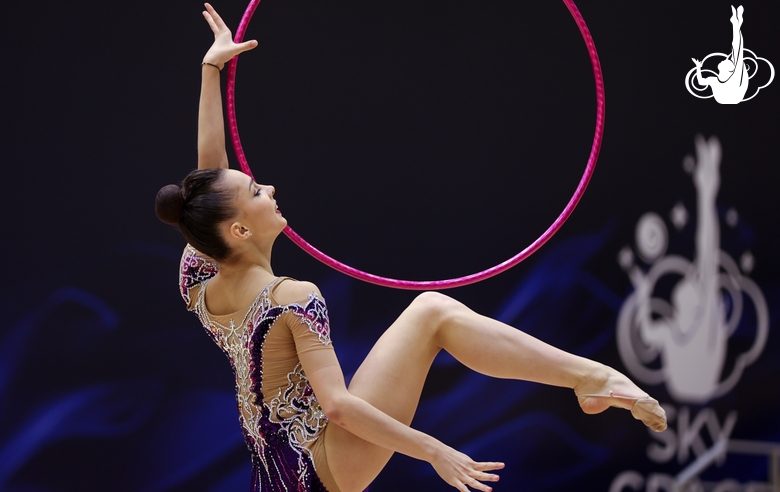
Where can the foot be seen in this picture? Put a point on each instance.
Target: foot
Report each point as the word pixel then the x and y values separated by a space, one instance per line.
pixel 734 19
pixel 608 388
pixel 736 16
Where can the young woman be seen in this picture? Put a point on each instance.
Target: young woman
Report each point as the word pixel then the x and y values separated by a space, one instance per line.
pixel 305 429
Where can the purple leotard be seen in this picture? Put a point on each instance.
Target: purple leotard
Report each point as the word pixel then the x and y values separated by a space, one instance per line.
pixel 280 416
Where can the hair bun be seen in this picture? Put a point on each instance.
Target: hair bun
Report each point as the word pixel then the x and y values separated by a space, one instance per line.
pixel 169 204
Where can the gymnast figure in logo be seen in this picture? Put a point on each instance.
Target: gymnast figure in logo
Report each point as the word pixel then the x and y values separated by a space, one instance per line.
pixel 693 339
pixel 731 84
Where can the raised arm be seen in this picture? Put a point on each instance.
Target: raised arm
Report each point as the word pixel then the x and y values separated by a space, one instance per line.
pixel 706 178
pixel 701 80
pixel 211 123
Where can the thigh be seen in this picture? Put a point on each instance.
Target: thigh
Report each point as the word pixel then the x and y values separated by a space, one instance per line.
pixel 391 379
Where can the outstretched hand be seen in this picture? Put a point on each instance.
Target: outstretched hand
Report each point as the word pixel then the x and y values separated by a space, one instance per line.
pixel 223 48
pixel 462 472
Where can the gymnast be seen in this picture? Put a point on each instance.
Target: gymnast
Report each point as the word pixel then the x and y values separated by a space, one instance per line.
pixel 731 84
pixel 304 427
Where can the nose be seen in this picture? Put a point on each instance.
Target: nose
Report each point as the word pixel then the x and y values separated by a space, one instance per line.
pixel 271 190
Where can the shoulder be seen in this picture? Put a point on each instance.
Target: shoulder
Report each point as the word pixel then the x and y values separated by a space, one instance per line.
pixel 290 290
pixel 194 268
pixel 306 314
pixel 191 258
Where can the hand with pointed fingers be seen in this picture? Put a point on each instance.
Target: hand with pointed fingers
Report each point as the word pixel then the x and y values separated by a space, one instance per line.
pixel 462 472
pixel 223 48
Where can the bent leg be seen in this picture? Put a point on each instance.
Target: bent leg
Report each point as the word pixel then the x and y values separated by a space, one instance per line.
pixel 393 374
pixel 391 379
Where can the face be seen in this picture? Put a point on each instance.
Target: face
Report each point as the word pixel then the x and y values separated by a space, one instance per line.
pixel 257 209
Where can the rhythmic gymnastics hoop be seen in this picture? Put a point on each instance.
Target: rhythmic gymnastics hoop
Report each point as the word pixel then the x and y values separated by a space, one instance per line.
pixel 453 282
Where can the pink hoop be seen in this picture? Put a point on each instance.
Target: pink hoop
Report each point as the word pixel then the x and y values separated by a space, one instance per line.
pixel 454 282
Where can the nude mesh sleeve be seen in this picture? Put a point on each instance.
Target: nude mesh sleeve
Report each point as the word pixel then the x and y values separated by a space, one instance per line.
pixel 309 323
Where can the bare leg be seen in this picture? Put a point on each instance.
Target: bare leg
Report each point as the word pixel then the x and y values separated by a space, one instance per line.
pixel 392 376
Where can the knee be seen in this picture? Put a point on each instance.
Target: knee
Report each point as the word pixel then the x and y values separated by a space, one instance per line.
pixel 436 308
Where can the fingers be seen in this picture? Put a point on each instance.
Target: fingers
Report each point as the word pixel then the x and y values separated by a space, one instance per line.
pixel 247 45
pixel 211 22
pixel 476 485
pixel 223 48
pixel 217 19
pixel 478 475
pixel 479 486
pixel 488 465
pixel 486 477
pixel 463 473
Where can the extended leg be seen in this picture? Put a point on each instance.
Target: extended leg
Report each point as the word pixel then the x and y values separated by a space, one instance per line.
pixel 736 36
pixel 392 376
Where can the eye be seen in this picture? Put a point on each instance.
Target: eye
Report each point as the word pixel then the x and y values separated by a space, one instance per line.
pixel 258 191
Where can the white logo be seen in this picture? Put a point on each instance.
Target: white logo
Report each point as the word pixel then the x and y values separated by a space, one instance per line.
pixel 730 84
pixel 683 341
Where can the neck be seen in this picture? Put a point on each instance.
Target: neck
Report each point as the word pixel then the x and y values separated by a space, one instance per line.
pixel 247 263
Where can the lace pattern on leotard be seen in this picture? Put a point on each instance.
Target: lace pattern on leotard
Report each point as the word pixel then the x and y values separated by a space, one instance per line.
pixel 296 409
pixel 193 270
pixel 314 315
pixel 276 433
pixel 236 343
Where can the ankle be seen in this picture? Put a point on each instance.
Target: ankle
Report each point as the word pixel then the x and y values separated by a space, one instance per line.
pixel 608 381
pixel 596 377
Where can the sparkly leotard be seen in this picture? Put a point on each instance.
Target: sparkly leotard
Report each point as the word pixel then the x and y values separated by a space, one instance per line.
pixel 281 419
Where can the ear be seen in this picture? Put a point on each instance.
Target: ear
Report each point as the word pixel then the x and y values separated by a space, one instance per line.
pixel 240 231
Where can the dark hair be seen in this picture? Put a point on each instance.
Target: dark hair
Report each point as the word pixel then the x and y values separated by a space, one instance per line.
pixel 197 208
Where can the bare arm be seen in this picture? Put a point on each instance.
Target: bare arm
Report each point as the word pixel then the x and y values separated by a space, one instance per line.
pixel 701 80
pixel 653 332
pixel 369 423
pixel 361 418
pixel 211 123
